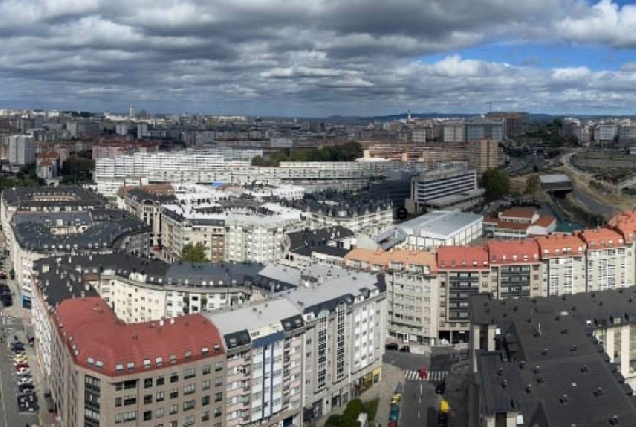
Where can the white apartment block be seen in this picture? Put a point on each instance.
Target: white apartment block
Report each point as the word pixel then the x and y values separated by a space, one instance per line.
pixel 234 168
pixel 413 294
pixel 264 344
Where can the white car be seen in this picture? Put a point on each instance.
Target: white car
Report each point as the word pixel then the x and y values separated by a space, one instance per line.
pixel 23 371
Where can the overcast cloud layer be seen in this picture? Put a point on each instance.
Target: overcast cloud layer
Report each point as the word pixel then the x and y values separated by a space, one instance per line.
pixel 309 58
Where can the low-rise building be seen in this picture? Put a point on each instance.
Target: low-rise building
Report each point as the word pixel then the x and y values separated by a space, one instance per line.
pixel 434 229
pixel 519 223
pixel 326 245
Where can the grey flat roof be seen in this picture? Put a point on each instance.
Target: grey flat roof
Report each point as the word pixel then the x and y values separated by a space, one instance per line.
pixel 456 198
pixel 330 285
pixel 555 179
pixel 253 316
pixel 439 223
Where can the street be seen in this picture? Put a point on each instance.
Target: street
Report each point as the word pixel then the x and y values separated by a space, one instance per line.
pixel 419 404
pixel 420 401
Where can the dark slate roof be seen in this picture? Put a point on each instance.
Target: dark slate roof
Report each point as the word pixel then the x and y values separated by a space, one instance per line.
pixel 312 238
pixel 56 287
pixel 26 198
pixel 104 228
pixel 237 339
pixel 339 203
pixel 548 366
pixel 157 272
pixel 141 195
pixel 323 249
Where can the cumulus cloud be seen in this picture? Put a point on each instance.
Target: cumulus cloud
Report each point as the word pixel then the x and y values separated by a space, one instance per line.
pixel 296 57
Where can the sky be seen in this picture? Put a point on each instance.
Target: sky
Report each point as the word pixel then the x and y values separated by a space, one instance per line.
pixel 317 58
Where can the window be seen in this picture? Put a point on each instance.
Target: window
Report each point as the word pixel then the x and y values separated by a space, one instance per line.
pixel 118 401
pixel 148 383
pixel 147 415
pixel 174 393
pixel 159 396
pixel 218 381
pixel 189 389
pixel 205 385
pixel 174 377
pixel 147 399
pixel 159 413
pixel 218 396
pixel 217 412
pixel 205 400
pixel 188 405
pixel 218 366
pixel 206 369
pixel 130 400
pixel 188 373
pixel 160 381
pixel 174 409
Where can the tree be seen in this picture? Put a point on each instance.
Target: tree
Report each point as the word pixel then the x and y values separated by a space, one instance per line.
pixel 533 184
pixel 496 184
pixel 194 253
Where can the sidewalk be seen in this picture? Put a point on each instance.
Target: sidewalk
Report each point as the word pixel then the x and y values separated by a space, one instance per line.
pixel 391 375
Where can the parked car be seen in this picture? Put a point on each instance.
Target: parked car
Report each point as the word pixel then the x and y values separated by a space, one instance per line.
pixel 25 380
pixel 21 365
pixel 394 413
pixel 391 346
pixel 441 388
pixel 23 371
pixel 25 388
pixel 405 349
pixel 20 357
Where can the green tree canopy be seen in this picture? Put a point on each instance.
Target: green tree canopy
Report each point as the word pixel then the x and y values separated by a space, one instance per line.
pixel 194 253
pixel 496 184
pixel 533 184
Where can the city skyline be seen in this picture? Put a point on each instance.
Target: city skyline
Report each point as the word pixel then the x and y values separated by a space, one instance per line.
pixel 287 58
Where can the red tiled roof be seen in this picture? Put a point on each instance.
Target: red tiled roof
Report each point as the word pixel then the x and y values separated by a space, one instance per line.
pixel 375 257
pixel 513 251
pixel 559 244
pixel 95 336
pixel 625 223
pixel 545 221
pixel 602 238
pixel 462 257
pixel 525 213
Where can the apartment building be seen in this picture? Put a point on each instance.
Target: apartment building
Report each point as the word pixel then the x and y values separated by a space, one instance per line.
pixel 566 360
pixel 33 236
pixel 233 166
pixel 485 154
pixel 45 199
pixel 440 183
pixel 140 289
pixel 412 286
pixel 21 150
pixel 610 263
pixel 146 203
pixel 326 245
pixel 345 317
pixel 264 344
pixel 564 263
pixel 515 268
pixel 454 131
pixel 356 212
pixel 104 372
pixel 463 271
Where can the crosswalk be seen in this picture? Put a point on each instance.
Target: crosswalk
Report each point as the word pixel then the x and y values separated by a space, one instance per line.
pixel 433 376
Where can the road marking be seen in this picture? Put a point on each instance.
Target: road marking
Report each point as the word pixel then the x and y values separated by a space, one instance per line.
pixel 433 376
